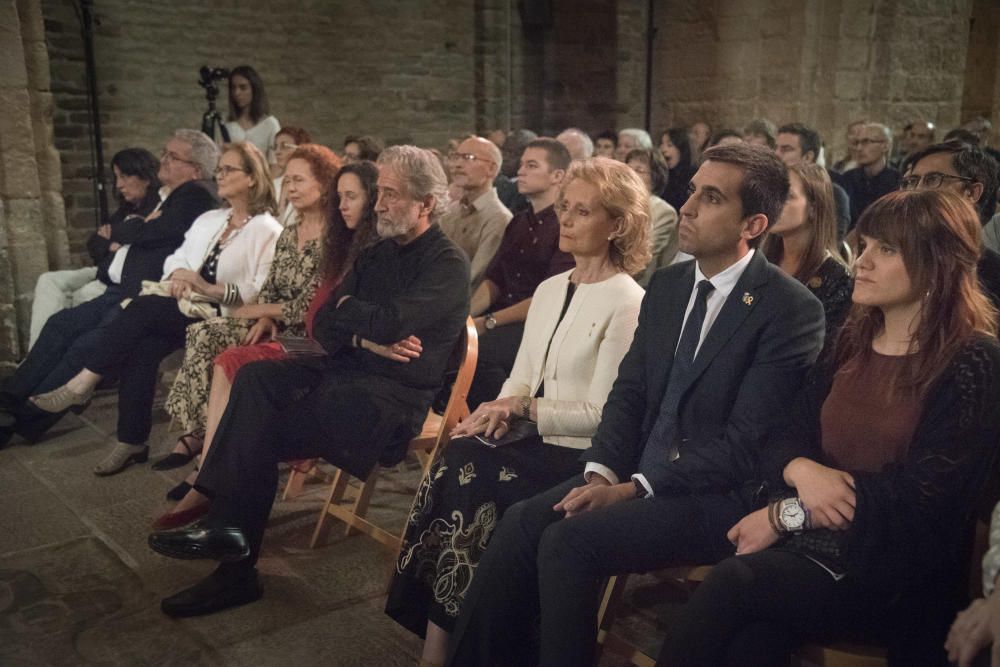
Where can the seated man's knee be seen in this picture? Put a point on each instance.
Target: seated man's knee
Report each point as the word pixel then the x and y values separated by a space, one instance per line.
pixel 562 542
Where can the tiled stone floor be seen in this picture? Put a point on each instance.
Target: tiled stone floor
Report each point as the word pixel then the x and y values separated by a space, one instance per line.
pixel 79 586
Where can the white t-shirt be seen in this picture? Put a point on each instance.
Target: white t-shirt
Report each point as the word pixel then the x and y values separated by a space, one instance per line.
pixel 260 135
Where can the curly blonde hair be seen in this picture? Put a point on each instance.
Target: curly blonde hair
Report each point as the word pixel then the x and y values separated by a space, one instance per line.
pixel 626 199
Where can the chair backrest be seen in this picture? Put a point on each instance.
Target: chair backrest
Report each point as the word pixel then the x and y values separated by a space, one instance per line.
pixel 463 360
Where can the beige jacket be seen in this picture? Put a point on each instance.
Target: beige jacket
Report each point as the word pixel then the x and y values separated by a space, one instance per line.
pixel 662 236
pixel 583 358
pixel 478 232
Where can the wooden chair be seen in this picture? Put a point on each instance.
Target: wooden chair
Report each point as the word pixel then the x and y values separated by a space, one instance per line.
pixel 426 446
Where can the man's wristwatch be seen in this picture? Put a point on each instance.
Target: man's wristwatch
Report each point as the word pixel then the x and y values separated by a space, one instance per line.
pixel 640 490
pixel 489 322
pixel 790 515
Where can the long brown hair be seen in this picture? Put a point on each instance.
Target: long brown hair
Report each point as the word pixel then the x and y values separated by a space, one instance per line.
pixel 938 235
pixel 341 244
pixel 821 223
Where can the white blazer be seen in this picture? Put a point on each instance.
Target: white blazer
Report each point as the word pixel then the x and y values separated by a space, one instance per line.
pixel 245 259
pixel 583 357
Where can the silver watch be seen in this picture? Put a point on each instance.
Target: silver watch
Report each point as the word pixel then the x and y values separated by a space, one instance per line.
pixel 490 322
pixel 792 515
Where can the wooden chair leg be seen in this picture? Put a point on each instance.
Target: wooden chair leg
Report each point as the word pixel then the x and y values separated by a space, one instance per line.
pixel 337 489
pixel 296 480
pixel 362 500
pixel 614 593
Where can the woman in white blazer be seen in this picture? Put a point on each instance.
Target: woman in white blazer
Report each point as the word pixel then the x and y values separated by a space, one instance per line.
pixel 224 260
pixel 579 326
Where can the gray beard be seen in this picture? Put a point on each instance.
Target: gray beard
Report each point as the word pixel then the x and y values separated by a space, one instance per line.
pixel 391 230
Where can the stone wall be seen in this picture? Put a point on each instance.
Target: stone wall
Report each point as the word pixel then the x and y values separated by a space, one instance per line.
pixel 32 222
pixel 822 62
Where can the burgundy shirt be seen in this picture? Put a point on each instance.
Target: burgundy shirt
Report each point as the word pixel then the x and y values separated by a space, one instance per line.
pixel 528 254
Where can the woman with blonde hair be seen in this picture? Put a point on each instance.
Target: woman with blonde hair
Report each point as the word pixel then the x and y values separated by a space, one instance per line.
pixel 803 242
pixel 579 326
pixel 221 265
pixel 875 480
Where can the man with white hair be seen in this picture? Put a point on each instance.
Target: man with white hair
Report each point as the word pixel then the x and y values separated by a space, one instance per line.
pixel 629 139
pixel 577 142
pixel 388 332
pixel 873 177
pixel 477 221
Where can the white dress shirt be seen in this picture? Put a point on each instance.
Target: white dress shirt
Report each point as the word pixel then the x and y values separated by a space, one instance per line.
pixel 724 283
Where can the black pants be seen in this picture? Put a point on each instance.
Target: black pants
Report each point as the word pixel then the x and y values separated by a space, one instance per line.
pixel 756 609
pixel 134 344
pixel 296 409
pixel 497 352
pixel 539 562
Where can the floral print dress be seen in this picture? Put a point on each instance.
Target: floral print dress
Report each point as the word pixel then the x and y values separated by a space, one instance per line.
pixel 292 280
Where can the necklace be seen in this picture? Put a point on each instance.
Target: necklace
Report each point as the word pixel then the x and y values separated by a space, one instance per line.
pixel 226 237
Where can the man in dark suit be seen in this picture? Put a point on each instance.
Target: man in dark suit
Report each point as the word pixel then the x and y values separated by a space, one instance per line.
pixel 355 406
pixel 721 347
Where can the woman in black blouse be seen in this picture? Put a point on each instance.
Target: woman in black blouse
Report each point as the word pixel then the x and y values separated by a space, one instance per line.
pixel 676 149
pixel 875 478
pixel 803 243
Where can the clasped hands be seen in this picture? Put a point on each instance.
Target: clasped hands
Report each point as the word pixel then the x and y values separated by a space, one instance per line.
pixel 184 282
pixel 490 419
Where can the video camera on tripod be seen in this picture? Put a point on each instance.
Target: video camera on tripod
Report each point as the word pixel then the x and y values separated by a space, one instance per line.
pixel 209 76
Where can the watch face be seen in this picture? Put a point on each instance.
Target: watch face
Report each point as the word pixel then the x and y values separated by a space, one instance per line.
pixel 793 516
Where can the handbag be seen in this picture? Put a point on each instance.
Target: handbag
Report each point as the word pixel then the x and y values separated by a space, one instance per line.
pixel 196 306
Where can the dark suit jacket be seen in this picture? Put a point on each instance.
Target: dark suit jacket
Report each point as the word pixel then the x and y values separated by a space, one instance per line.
pixel 751 363
pixel 152 242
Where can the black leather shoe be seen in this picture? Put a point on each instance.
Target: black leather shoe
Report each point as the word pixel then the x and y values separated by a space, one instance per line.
pixel 213 594
pixel 222 544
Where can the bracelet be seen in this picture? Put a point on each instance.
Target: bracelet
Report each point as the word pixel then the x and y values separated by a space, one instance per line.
pixel 231 294
pixel 525 407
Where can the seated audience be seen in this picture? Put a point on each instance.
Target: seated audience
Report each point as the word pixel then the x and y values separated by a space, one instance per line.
pixel 877 475
pixel 670 465
pixel 677 152
pixel 629 139
pixel 528 254
pixel 972 173
pixel 579 326
pixel 497 136
pixel 803 243
pixel 364 147
pixel 280 305
pixel 351 406
pixel 605 144
pixel 577 142
pixel 978 627
pixel 137 190
pixel 699 135
pixel 651 168
pixel 850 161
pixel 799 144
pixel 726 137
pixel 250 116
pixel 223 262
pixel 917 135
pixel 288 139
pixel 476 222
pixel 761 132
pixel 506 180
pixel 70 336
pixel 350 230
pixel 872 178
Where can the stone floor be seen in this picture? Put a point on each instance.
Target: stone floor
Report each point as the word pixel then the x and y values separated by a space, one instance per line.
pixel 79 586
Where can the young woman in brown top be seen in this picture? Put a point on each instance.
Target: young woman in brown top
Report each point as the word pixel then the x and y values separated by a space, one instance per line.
pixel 875 477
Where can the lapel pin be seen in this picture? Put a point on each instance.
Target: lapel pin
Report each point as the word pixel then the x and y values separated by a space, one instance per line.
pixel 748 298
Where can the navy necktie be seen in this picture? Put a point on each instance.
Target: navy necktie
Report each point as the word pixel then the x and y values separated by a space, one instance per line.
pixel 660 447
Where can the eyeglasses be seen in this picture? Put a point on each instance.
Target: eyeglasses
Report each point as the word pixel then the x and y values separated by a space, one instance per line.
pixel 867 142
pixel 284 146
pixel 225 170
pixel 466 157
pixel 930 181
pixel 168 156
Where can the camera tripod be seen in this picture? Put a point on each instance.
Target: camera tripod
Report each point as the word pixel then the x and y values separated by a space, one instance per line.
pixel 211 120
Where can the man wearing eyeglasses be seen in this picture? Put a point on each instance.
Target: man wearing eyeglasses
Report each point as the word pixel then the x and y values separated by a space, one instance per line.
pixel 872 178
pixel 974 174
pixel 477 221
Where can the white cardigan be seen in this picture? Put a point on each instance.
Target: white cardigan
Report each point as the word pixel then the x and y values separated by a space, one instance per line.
pixel 583 358
pixel 245 259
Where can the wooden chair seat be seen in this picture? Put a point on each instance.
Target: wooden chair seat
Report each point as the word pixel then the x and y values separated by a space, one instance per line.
pixel 426 446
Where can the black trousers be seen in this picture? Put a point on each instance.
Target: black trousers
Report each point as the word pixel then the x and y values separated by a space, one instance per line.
pixel 497 352
pixel 540 563
pixel 296 409
pixel 756 609
pixel 134 344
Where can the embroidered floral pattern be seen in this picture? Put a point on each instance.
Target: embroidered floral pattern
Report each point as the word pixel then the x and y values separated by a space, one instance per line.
pixel 507 474
pixel 466 474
